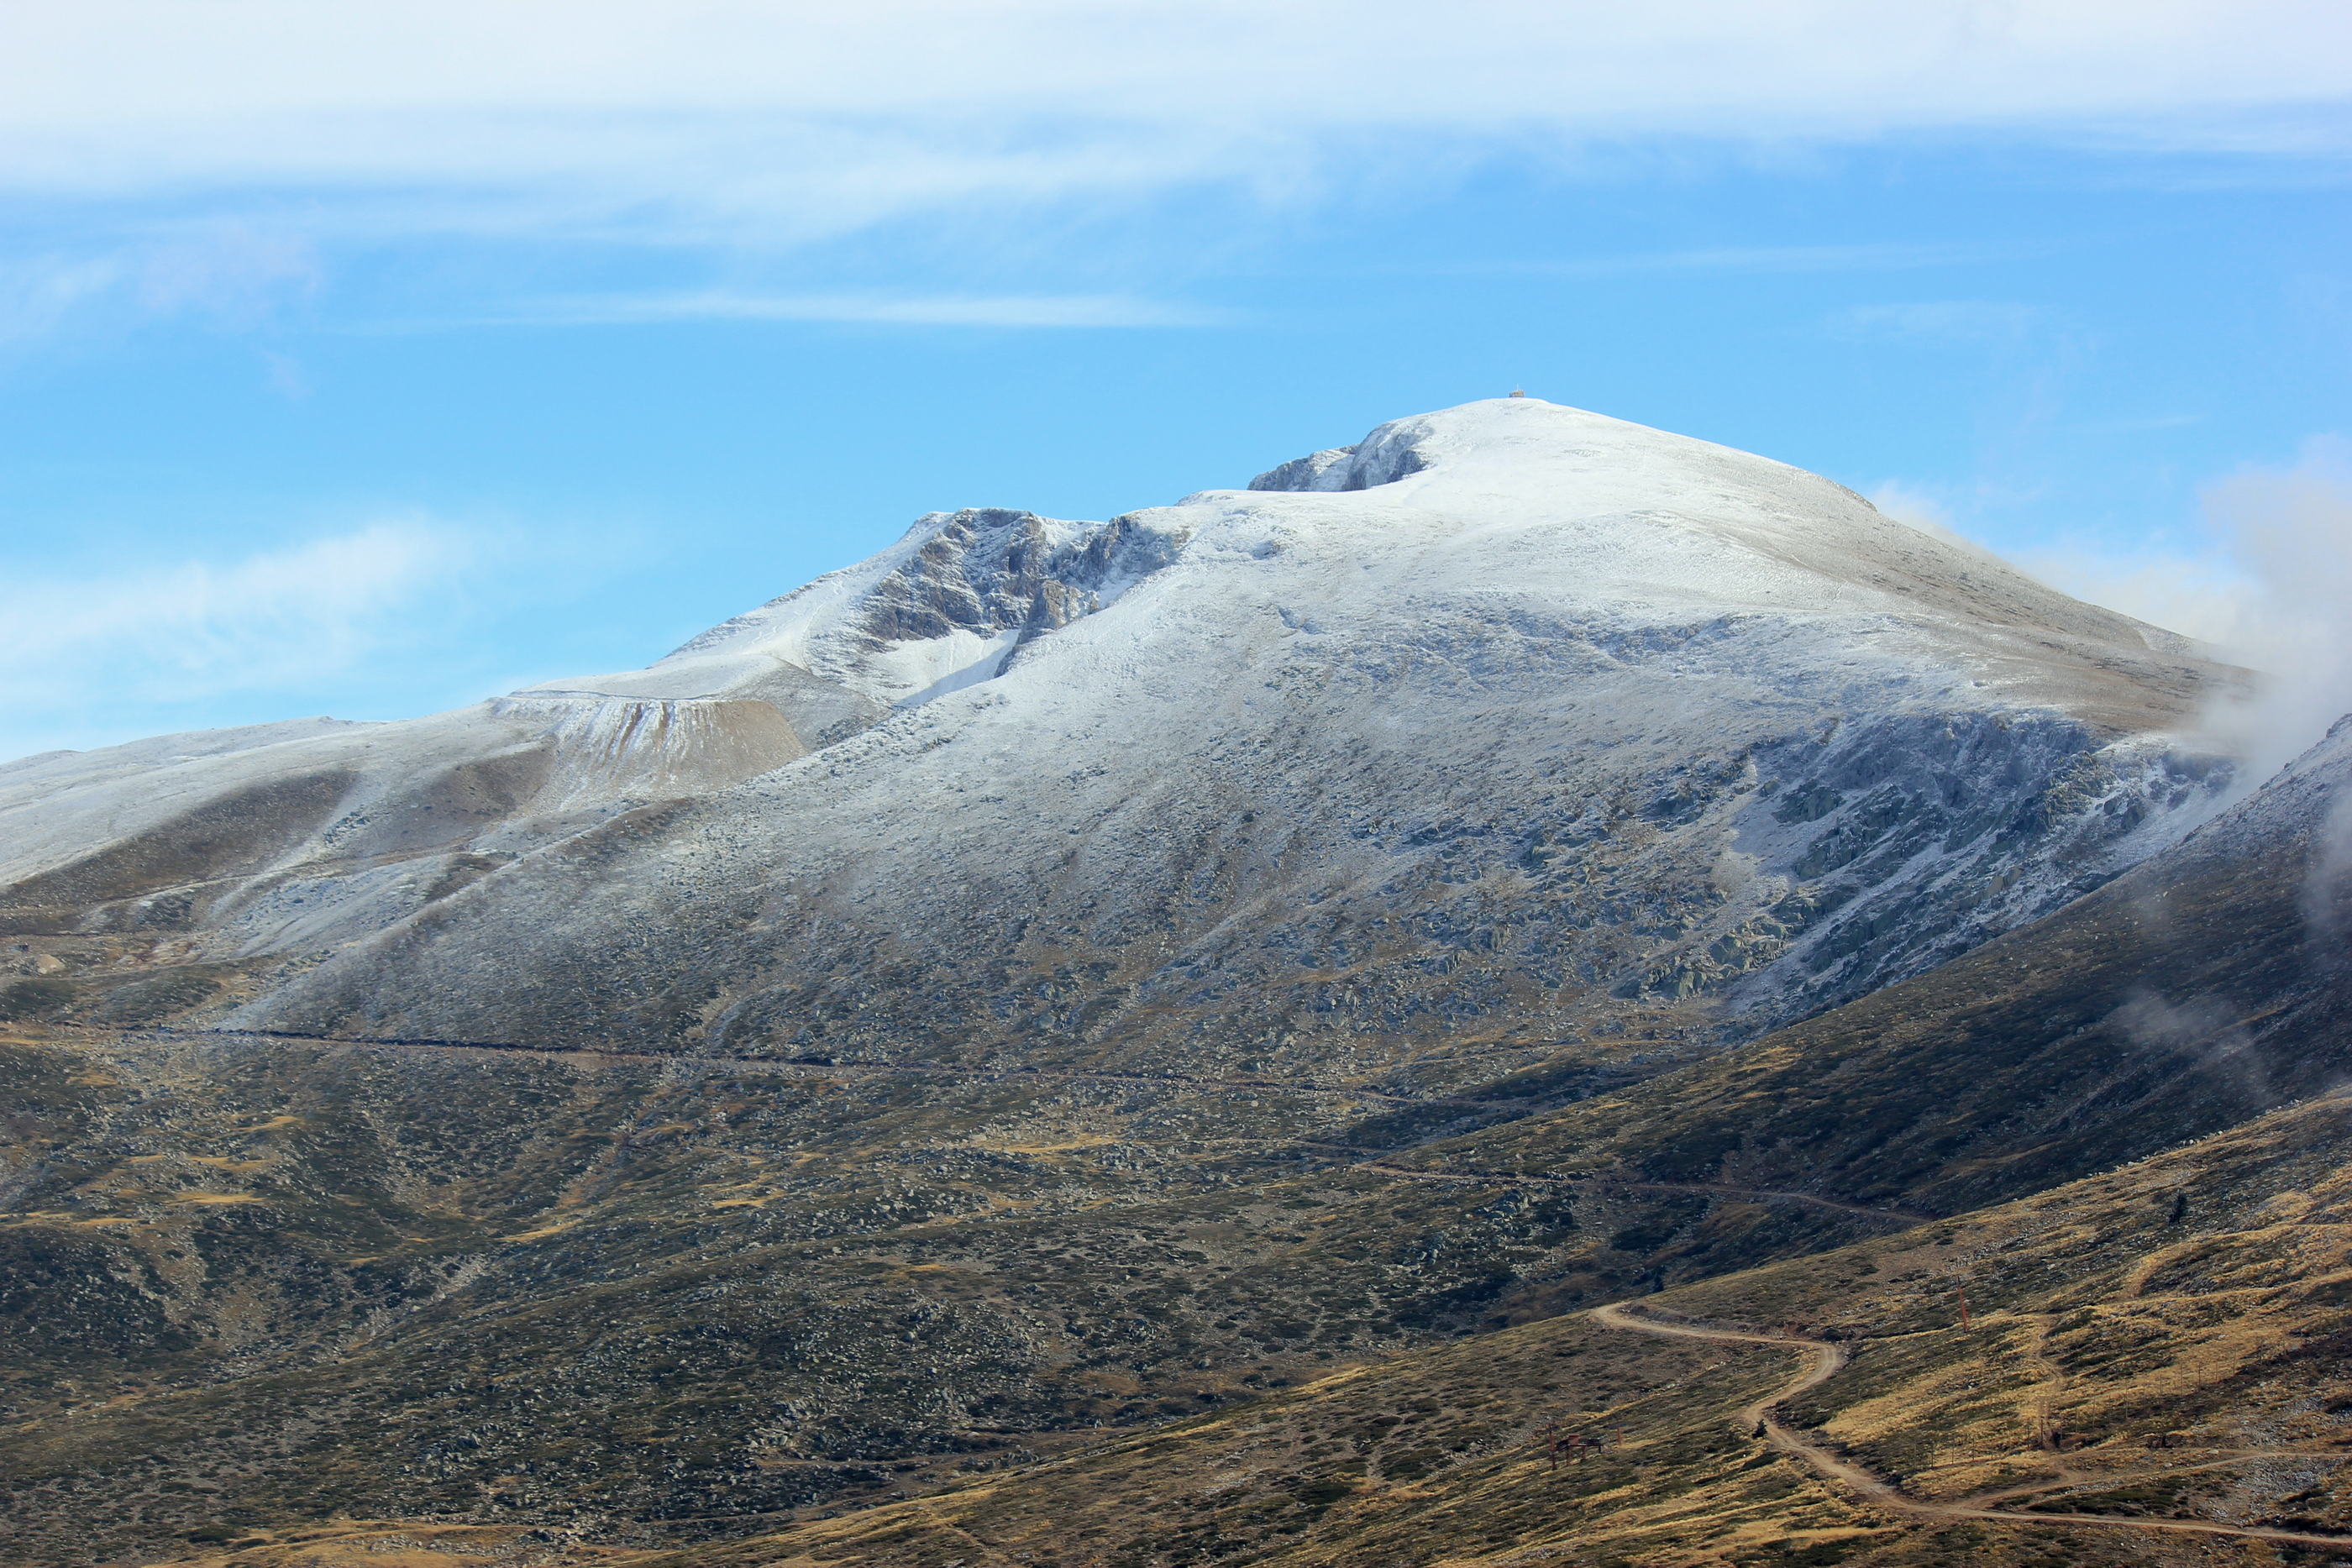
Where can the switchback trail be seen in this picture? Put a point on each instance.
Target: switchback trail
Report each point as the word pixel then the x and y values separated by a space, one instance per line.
pixel 1824 1363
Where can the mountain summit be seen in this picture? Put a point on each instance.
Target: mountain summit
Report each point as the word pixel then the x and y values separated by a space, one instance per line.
pixel 1511 720
pixel 1249 975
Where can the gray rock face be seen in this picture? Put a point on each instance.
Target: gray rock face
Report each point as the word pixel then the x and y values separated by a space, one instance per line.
pixel 1909 841
pixel 1389 454
pixel 950 606
pixel 1510 723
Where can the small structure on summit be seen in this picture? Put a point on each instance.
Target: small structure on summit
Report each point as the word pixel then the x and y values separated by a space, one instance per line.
pixel 1518 392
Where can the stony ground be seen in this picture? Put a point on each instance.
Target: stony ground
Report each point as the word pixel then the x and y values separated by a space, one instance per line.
pixel 263 1286
pixel 2168 1342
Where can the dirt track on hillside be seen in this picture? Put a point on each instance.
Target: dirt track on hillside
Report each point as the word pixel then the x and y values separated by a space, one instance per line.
pixel 1825 1362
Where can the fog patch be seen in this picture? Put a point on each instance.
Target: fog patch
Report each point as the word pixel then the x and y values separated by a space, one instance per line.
pixel 2325 887
pixel 2206 1028
pixel 2268 590
pixel 2292 528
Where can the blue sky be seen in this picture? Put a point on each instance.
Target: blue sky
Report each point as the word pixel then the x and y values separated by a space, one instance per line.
pixel 372 360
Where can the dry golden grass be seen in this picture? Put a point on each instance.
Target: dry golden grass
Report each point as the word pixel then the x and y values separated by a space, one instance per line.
pixel 2166 1343
pixel 380 1543
pixel 2183 1320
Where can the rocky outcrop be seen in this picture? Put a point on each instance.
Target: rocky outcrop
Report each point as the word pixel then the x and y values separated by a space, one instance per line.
pixel 1392 453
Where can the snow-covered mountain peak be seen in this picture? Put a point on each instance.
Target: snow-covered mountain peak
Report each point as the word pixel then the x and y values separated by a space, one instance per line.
pixel 1627 519
pixel 1528 445
pixel 1507 709
pixel 1504 497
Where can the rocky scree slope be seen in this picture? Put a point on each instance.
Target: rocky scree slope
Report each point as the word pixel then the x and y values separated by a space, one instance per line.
pixel 249 1282
pixel 1515 722
pixel 2209 985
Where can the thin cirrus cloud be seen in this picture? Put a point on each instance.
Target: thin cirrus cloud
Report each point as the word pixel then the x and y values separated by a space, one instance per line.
pixel 1756 258
pixel 940 310
pixel 751 122
pixel 274 620
pixel 228 273
pixel 241 142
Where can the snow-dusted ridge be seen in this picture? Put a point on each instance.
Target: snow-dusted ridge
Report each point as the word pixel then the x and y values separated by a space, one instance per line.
pixel 1511 719
pixel 947 607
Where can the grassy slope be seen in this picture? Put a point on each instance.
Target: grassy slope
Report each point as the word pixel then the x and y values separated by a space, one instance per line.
pixel 611 1293
pixel 2121 1362
pixel 250 1285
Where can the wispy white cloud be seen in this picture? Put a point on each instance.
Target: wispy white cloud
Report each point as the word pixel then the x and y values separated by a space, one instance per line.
pixel 2205 593
pixel 1773 258
pixel 38 294
pixel 944 310
pixel 2291 531
pixel 226 272
pixel 764 123
pixel 277 619
pixel 1924 508
pixel 1694 65
pixel 1927 510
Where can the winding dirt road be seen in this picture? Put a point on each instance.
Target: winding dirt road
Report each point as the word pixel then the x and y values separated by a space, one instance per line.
pixel 1823 1361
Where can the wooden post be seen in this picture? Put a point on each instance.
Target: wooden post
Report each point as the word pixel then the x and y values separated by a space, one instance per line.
pixel 1961 1291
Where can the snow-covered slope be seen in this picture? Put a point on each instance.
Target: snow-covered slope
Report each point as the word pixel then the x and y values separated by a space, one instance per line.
pixel 947 607
pixel 1513 721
